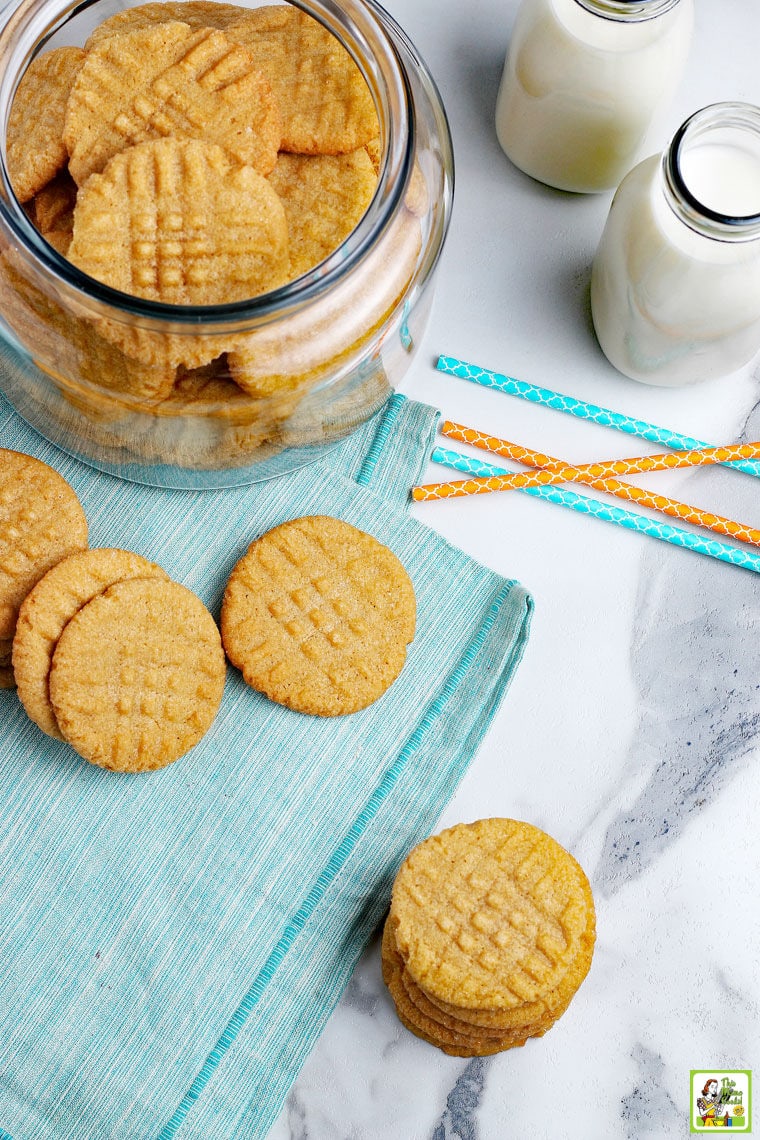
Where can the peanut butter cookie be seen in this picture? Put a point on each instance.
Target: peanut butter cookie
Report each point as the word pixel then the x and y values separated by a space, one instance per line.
pixel 35 146
pixel 175 221
pixel 318 616
pixel 50 606
pixel 170 80
pixel 324 197
pixel 195 13
pixel 41 522
pixel 137 675
pixel 491 915
pixel 326 104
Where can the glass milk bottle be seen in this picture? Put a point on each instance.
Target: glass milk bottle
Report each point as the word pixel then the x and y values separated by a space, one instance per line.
pixel 582 82
pixel 675 286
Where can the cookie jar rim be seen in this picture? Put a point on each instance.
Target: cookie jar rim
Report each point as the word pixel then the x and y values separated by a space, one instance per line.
pixel 367 32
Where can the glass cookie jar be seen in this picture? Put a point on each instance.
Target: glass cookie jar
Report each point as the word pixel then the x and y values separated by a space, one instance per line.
pixel 675 285
pixel 218 395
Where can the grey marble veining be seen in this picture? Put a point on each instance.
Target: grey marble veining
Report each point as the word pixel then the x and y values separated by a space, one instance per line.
pixel 696 666
pixel 296 1116
pixel 458 1122
pixel 648 1105
pixel 632 731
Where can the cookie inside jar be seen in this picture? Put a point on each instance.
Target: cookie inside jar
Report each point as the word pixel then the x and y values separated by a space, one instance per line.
pixel 221 197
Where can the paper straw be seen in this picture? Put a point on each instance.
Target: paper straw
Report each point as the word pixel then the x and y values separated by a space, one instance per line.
pixel 617 515
pixel 552 474
pixel 651 499
pixel 581 409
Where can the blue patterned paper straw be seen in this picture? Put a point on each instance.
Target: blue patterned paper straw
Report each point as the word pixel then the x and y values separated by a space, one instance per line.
pixel 617 515
pixel 580 408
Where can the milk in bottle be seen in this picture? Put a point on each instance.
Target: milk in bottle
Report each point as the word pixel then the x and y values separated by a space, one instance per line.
pixel 675 287
pixel 582 82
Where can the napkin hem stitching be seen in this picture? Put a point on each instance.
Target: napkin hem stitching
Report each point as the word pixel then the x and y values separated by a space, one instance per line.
pixel 367 469
pixel 334 864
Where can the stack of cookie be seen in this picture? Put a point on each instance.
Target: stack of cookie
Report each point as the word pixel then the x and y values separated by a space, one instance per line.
pixel 490 933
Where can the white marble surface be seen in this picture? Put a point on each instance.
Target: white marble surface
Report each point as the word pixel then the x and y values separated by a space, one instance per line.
pixel 631 732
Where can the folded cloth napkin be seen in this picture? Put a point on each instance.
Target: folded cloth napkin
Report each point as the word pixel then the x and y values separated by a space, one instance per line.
pixel 171 944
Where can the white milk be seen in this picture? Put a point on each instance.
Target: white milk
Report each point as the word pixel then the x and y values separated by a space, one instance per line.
pixel 675 291
pixel 580 89
pixel 724 175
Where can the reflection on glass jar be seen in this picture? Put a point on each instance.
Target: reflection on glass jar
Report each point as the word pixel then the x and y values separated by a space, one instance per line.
pixel 582 83
pixel 675 288
pixel 214 395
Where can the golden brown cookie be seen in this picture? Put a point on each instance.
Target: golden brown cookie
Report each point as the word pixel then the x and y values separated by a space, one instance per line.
pixel 35 147
pixel 243 422
pixel 104 365
pixel 60 241
pixel 245 370
pixel 326 104
pixel 546 1011
pixel 465 1049
pixel 374 149
pixel 209 388
pixel 195 13
pixel 174 221
pixel 318 616
pixel 7 680
pixel 419 1007
pixel 70 349
pixel 457 1045
pixel 49 607
pixel 54 204
pixel 54 211
pixel 324 197
pixel 490 915
pixel 137 675
pixel 41 522
pixel 159 349
pixel 300 349
pixel 170 80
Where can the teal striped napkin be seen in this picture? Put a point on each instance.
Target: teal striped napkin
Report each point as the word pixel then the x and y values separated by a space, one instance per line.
pixel 171 945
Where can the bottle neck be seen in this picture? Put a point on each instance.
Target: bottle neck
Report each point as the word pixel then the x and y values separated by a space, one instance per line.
pixel 628 11
pixel 711 172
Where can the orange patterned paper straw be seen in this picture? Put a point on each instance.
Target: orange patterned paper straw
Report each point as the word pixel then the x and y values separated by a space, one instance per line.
pixel 557 471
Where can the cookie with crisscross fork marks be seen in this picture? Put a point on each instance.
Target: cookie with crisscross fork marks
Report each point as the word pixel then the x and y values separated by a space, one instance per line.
pixel 41 522
pixel 324 197
pixel 318 616
pixel 196 13
pixel 492 915
pixel 326 104
pixel 50 606
pixel 458 1040
pixel 530 1019
pixel 170 80
pixel 35 146
pixel 137 675
pixel 174 221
